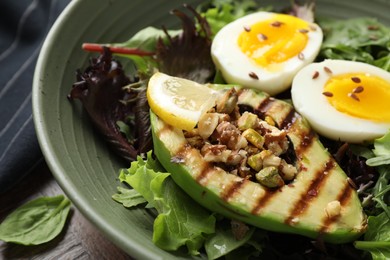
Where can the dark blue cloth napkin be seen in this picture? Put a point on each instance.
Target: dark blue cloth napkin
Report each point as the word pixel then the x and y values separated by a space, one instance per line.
pixel 24 25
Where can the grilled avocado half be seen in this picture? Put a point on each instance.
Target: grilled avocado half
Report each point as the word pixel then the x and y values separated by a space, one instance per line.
pixel 319 202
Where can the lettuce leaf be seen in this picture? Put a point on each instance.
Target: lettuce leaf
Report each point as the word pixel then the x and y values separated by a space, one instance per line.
pixel 381 160
pixel 224 242
pixel 180 220
pixel 218 13
pixel 381 151
pixel 358 39
pixel 377 237
pixel 128 197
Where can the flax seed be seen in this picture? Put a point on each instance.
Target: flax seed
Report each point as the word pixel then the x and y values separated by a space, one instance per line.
pixel 327 70
pixel 356 79
pixel 327 94
pixel 357 90
pixel 262 37
pixel 353 95
pixel 276 24
pixel 253 75
pixel 247 28
pixel 315 74
pixel 303 30
pixel 301 56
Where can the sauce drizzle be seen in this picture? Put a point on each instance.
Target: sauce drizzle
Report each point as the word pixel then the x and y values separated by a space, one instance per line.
pixel 304 202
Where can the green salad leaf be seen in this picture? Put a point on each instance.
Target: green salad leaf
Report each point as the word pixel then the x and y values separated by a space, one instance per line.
pixel 381 160
pixel 224 241
pixel 145 40
pixel 357 39
pixel 36 222
pixel 381 151
pixel 180 221
pixel 377 237
pixel 221 12
pixel 128 197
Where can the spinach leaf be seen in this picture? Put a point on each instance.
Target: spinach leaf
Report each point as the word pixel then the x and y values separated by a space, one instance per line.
pixel 377 237
pixel 36 222
pixel 180 221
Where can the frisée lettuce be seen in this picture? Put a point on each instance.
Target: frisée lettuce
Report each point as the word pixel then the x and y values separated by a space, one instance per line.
pixel 180 221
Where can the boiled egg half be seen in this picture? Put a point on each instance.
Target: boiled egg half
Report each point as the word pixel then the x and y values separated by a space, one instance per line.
pixel 265 50
pixel 344 100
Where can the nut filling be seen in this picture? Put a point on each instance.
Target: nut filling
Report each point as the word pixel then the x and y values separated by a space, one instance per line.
pixel 243 144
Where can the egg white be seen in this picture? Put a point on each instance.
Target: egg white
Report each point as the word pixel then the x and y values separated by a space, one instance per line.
pixel 235 65
pixel 309 101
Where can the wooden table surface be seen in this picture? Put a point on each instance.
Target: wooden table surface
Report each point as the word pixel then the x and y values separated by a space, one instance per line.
pixel 78 240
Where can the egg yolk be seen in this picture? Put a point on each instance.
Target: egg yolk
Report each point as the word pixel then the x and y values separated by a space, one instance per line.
pixel 274 40
pixel 360 95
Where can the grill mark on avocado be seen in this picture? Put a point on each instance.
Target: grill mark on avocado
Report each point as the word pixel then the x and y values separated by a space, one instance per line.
pixel 185 151
pixel 263 201
pixel 307 139
pixel 344 196
pixel 264 106
pixel 288 120
pixel 205 171
pixel 304 202
pixel 229 192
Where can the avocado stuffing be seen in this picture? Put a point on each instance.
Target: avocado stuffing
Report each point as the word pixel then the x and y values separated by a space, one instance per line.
pixel 253 158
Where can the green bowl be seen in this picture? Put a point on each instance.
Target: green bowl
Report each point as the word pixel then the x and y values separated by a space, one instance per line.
pixel 80 161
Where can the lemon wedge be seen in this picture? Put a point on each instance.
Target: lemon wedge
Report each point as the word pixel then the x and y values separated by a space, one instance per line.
pixel 177 101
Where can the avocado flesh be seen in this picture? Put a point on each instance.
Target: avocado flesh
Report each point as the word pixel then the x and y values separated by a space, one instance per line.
pixel 301 207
